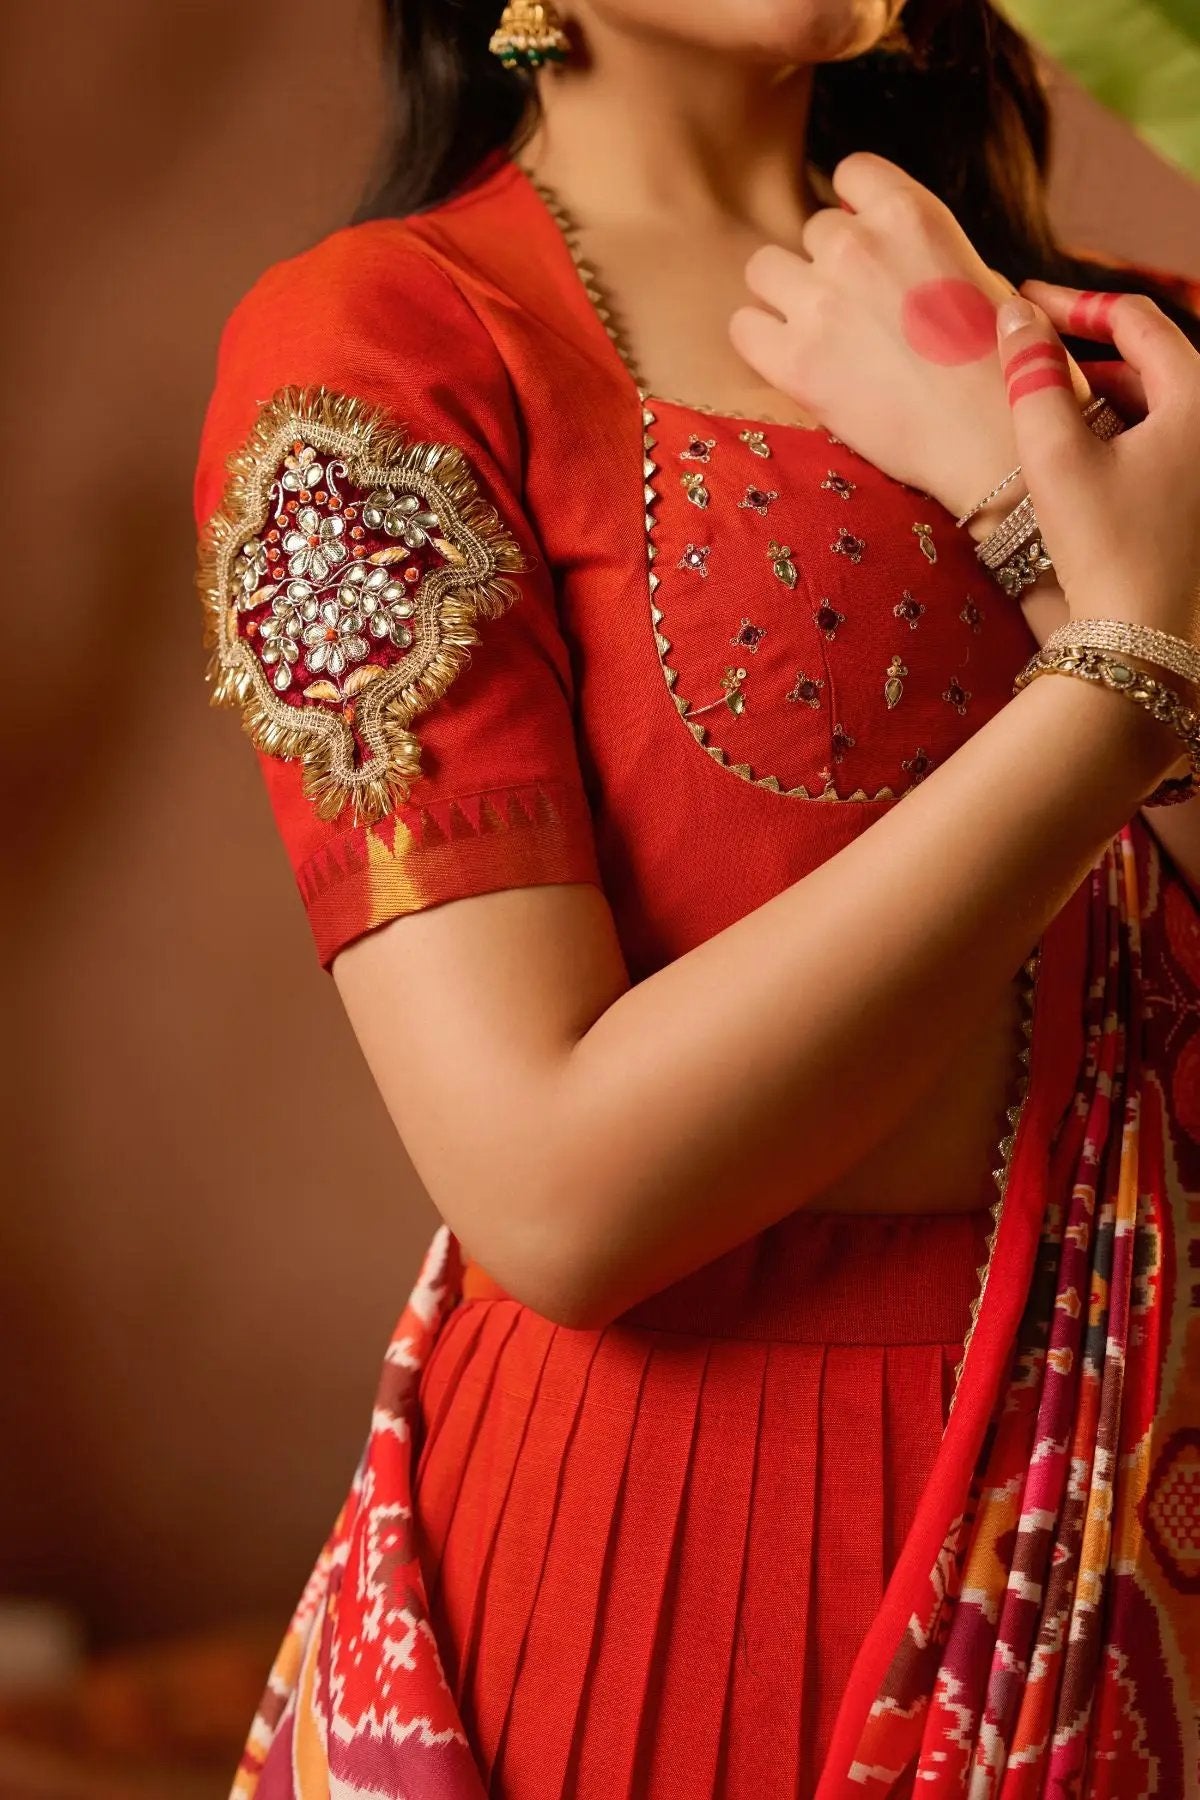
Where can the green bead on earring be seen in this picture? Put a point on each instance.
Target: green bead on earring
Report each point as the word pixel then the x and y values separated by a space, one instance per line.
pixel 530 36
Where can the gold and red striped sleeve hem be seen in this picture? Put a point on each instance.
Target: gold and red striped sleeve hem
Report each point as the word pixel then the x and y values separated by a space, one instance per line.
pixel 421 856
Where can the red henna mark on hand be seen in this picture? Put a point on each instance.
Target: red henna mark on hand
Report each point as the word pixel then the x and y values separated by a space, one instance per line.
pixel 1050 377
pixel 1035 367
pixel 948 321
pixel 1090 313
pixel 1034 353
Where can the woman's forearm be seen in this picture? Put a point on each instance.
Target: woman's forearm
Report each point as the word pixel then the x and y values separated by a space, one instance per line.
pixel 801 1035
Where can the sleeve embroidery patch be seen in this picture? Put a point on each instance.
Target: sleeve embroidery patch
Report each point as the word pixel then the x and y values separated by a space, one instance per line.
pixel 342 577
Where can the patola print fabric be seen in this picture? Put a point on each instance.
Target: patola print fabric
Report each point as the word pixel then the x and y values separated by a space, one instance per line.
pixel 1050 1647
pixel 494 616
pixel 1055 1651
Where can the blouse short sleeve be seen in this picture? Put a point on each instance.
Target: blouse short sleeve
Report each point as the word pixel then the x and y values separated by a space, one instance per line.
pixel 375 606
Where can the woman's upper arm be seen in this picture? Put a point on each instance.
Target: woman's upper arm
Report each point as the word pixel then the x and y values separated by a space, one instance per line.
pixel 378 612
pixel 467 1015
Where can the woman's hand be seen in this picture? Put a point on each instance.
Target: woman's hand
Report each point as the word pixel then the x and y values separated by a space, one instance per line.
pixel 1121 519
pixel 888 335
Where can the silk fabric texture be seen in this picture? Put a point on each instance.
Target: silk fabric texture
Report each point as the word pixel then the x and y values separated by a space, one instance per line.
pixel 1038 1633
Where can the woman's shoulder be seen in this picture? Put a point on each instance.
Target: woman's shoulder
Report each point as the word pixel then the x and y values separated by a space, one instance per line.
pixel 373 313
pixel 343 281
pixel 416 265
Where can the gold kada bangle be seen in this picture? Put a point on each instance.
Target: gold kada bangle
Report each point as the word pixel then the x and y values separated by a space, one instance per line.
pixel 1091 662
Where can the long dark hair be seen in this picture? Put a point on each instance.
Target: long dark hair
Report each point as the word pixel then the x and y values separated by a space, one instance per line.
pixel 960 105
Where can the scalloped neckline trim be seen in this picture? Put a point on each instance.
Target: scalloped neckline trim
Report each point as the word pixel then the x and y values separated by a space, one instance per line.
pixel 603 307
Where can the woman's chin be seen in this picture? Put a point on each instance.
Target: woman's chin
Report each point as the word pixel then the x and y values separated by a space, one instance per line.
pixel 779 31
pixel 814 31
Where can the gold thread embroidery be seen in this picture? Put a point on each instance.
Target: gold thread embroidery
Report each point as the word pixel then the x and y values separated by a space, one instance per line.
pixel 782 564
pixel 757 500
pixel 602 307
pixel 748 636
pixel 662 643
pixel 731 693
pixel 1019 1090
pixel 437 488
pixel 807 690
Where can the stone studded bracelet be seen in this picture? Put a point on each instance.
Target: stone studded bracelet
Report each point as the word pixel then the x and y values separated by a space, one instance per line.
pixel 1174 654
pixel 1154 696
pixel 1015 553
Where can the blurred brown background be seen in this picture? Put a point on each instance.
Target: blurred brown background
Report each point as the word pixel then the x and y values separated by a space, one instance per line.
pixel 209 1226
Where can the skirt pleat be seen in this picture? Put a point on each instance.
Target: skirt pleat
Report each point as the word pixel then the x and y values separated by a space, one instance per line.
pixel 764 1703
pixel 848 1551
pixel 651 1551
pixel 444 1395
pixel 523 1502
pixel 679 1744
pixel 458 1481
pixel 536 1745
pixel 620 1674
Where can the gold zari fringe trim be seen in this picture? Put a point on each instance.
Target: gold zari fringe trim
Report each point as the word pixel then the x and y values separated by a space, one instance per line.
pixel 448 601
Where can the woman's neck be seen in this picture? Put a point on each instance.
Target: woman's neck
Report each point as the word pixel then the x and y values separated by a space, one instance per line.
pixel 646 131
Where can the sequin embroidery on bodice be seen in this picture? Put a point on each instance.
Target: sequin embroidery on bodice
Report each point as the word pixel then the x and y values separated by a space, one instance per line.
pixel 824 630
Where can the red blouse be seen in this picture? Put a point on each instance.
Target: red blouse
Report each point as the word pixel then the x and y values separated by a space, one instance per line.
pixel 494 618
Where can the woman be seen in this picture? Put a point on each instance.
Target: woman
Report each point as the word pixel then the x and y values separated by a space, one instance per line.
pixel 734 1439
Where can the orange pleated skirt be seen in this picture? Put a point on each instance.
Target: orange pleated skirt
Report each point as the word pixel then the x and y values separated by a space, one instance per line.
pixel 652 1551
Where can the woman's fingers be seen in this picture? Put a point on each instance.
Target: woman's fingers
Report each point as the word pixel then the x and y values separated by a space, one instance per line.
pixel 825 229
pixel 1154 347
pixel 1037 377
pixel 1117 382
pixel 768 344
pixel 776 276
pixel 1081 311
pixel 1077 310
pixel 863 179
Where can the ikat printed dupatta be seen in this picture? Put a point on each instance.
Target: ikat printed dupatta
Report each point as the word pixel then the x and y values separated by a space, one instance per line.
pixel 1040 1637
pixel 1053 1646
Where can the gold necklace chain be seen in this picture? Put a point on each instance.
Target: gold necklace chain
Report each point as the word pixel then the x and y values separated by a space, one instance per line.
pixel 608 315
pixel 602 304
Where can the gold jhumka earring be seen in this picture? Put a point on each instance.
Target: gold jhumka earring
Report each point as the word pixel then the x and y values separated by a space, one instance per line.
pixel 530 34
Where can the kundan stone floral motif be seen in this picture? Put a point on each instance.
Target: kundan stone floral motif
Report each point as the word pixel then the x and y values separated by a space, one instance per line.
pixel 343 576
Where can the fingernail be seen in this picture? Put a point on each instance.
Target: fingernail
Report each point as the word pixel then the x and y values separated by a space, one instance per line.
pixel 1013 315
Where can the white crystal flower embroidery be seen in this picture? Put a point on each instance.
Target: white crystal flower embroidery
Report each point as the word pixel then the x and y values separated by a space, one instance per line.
pixel 315 547
pixel 302 472
pixel 278 641
pixel 334 639
pixel 250 569
pixel 383 602
pixel 406 518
